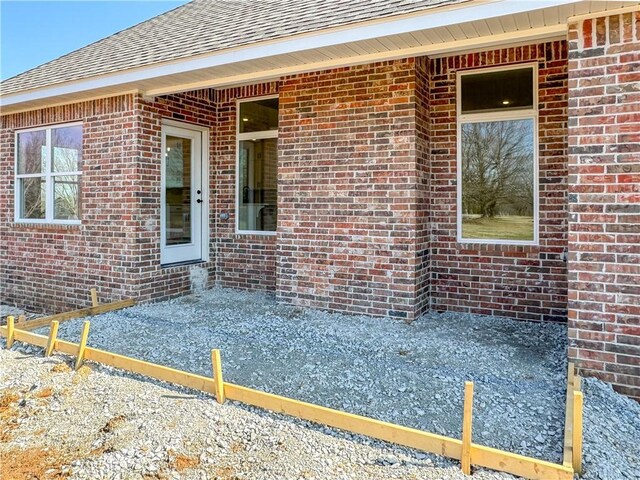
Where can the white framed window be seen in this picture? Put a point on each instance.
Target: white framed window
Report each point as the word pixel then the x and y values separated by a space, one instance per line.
pixel 257 165
pixel 48 166
pixel 497 164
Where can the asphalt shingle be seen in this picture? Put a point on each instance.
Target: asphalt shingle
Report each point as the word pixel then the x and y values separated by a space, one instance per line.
pixel 205 26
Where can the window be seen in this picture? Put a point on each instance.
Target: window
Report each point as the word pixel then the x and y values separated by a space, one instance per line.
pixel 497 156
pixel 257 168
pixel 48 164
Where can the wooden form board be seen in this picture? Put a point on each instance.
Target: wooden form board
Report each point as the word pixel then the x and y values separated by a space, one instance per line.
pixel 487 457
pixel 83 312
pixel 572 453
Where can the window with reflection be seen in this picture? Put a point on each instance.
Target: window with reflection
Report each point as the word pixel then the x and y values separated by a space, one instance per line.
pixel 48 170
pixel 497 157
pixel 257 169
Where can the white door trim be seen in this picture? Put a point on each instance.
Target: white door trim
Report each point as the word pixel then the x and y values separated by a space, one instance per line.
pixel 198 249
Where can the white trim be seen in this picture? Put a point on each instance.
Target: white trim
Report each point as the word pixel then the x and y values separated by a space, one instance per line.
pixel 264 233
pixel 206 198
pixel 441 49
pixel 249 136
pixel 200 135
pixel 257 135
pixel 605 13
pixel 515 114
pixel 432 18
pixel 85 98
pixel 48 175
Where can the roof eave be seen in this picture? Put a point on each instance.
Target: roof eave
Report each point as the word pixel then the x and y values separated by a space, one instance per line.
pixel 428 19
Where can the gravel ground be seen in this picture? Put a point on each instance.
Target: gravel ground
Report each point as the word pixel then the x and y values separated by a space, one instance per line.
pixel 411 375
pixel 408 374
pixel 99 423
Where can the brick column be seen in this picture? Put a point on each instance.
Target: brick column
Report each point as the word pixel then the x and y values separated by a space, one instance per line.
pixel 347 210
pixel 604 198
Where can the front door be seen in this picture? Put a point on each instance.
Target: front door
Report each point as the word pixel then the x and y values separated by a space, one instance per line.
pixel 181 195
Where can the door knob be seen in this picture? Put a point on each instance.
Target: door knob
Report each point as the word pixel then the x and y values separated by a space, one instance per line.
pixel 199 201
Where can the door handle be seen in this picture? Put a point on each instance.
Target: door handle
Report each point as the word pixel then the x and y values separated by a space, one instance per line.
pixel 199 201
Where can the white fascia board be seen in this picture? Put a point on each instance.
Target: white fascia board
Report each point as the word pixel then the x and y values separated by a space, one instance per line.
pixel 466 46
pixel 436 17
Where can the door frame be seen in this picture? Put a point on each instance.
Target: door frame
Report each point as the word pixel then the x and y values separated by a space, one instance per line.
pixel 204 176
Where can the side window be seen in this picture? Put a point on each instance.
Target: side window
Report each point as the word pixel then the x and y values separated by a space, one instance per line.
pixel 497 156
pixel 257 167
pixel 48 171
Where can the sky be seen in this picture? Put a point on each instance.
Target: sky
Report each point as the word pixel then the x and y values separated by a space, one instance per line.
pixel 34 32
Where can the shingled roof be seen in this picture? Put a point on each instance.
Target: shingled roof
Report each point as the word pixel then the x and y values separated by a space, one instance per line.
pixel 205 26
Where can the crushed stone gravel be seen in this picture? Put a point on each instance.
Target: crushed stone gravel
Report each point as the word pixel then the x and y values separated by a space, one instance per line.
pixel 100 423
pixel 410 374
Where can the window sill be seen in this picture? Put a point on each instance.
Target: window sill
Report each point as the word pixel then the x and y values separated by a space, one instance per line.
pixel 183 264
pixel 257 233
pixel 48 226
pixel 496 243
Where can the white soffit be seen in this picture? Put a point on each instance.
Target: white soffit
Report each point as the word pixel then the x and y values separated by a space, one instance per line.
pixel 462 27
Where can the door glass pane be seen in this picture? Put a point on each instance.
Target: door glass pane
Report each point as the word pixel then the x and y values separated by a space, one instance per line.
pixel 32 152
pixel 258 185
pixel 178 190
pixel 498 180
pixel 32 203
pixel 65 195
pixel 67 148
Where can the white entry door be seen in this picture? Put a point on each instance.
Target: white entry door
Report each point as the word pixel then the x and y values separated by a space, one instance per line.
pixel 182 195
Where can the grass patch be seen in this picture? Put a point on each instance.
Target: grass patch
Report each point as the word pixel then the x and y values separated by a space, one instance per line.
pixel 497 228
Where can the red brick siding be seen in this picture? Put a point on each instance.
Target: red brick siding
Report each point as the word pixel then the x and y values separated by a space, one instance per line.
pixel 243 260
pixel 423 203
pixel 604 199
pixel 524 282
pixel 198 108
pixel 117 246
pixel 346 213
pixel 51 268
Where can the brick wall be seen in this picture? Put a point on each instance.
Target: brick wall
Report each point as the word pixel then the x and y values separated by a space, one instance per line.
pixel 604 199
pixel 347 175
pixel 524 282
pixel 367 194
pixel 423 188
pixel 51 268
pixel 245 260
pixel 152 280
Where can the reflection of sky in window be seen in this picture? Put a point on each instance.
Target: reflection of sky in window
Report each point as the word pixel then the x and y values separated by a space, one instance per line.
pixel 43 158
pixel 64 159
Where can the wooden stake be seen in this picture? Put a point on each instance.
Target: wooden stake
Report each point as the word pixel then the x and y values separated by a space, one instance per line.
pixel 218 382
pixel 577 432
pixel 53 335
pixel 567 455
pixel 467 419
pixel 94 297
pixel 10 330
pixel 83 343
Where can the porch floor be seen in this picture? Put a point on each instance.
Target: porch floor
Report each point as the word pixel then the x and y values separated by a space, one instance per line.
pixel 411 375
